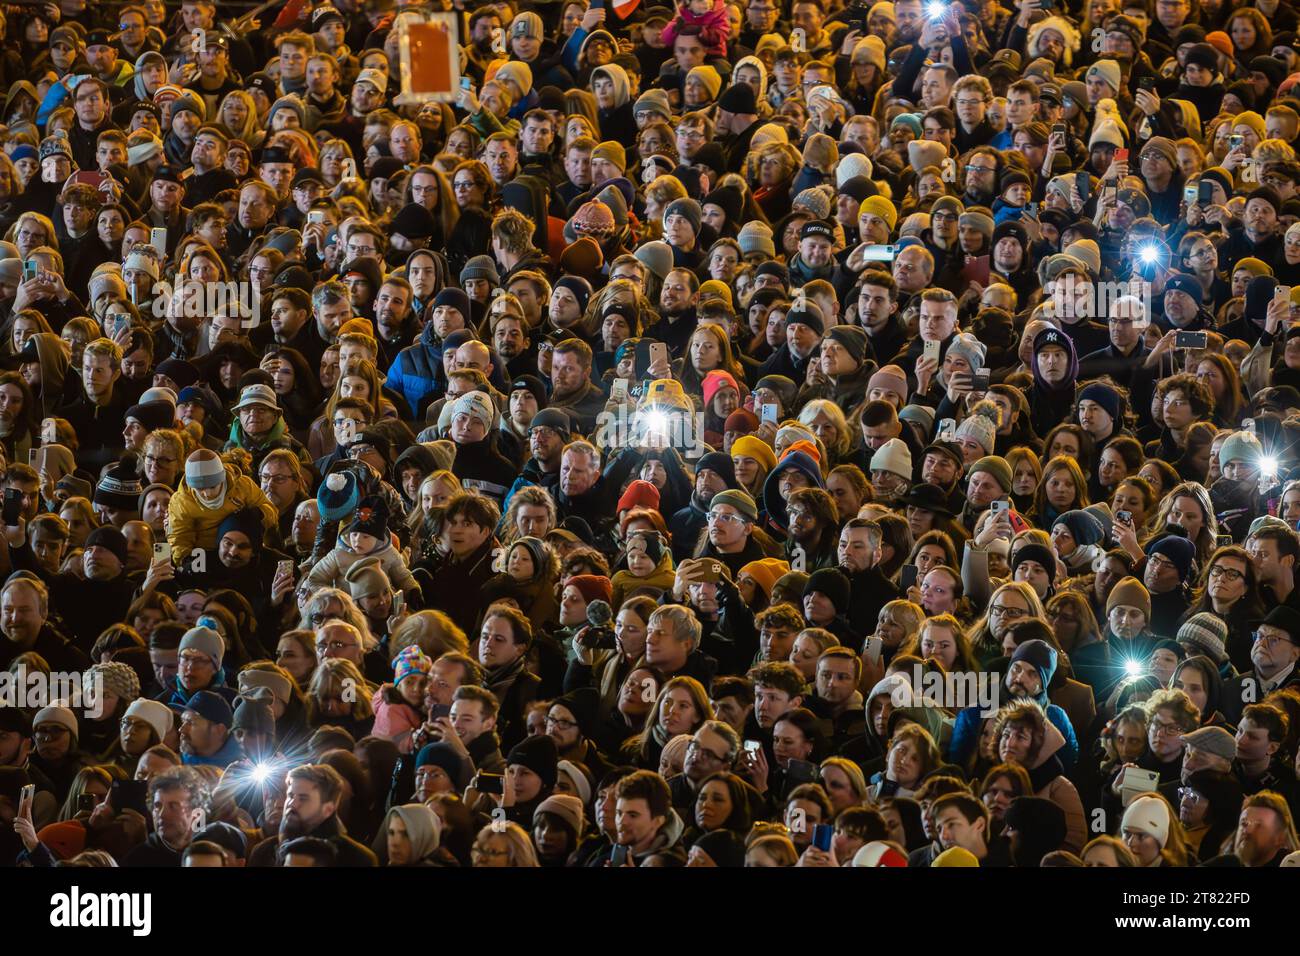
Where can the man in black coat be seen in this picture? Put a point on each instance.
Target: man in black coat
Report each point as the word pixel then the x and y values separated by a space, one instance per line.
pixel 311 809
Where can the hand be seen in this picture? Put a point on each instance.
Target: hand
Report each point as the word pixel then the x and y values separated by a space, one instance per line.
pixel 282 585
pixel 1147 101
pixel 767 432
pixel 914 594
pixel 815 857
pixel 102 815
pixel 850 41
pixel 998 526
pixel 660 368
pixel 123 337
pixel 160 571
pixel 447 734
pixel 1116 172
pixel 593 18
pixel 1195 214
pixel 1278 314
pixel 397 620
pixel 1119 778
pixel 1126 537
pixel 23 825
pixel 959 384
pixel 133 826
pixel 755 765
pixel 1217 215
pixel 468 101
pixel 925 367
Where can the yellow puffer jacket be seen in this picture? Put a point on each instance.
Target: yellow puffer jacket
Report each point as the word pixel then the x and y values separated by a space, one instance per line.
pixel 190 525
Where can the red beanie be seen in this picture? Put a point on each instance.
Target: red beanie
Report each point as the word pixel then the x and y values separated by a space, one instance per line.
pixel 593 587
pixel 741 420
pixel 639 494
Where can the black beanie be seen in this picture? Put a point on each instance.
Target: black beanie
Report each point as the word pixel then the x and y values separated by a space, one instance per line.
pixel 832 583
pixel 539 755
pixel 719 464
pixel 533 384
pixel 582 702
pixel 1039 553
pixel 739 98
pixel 414 222
pixel 729 200
pixel 109 538
pixel 247 520
pixel 810 314
pixel 852 337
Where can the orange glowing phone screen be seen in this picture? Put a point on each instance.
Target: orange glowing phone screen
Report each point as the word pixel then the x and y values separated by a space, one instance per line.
pixel 430 60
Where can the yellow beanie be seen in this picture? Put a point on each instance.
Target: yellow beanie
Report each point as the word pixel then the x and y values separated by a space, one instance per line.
pixel 710 77
pixel 882 207
pixel 956 856
pixel 749 446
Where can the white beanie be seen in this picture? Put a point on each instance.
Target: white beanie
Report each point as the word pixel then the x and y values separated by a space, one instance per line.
pixel 895 457
pixel 1150 815
pixel 854 164
pixel 54 714
pixel 157 715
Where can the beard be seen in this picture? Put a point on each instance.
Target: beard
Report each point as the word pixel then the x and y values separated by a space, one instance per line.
pixel 292 826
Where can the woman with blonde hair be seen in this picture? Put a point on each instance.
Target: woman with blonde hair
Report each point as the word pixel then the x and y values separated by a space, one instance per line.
pixel 340 695
pixel 238 114
pixel 1026 475
pixel 707 350
pixel 92 782
pixel 658 195
pixel 1109 851
pixel 436 489
pixel 1011 603
pixel 501 846
pixel 897 625
pixel 30 231
pixel 433 631
pixel 1188 506
pixel 1153 832
pixel 335 159
pixel 681 707
pixel 844 783
pixel 943 638
pixel 827 421
pixel 1062 488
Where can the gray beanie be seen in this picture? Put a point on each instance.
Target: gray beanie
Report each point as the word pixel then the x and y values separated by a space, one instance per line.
pixel 480 267
pixel 254 716
pixel 207 641
pixel 964 345
pixel 687 208
pixel 756 237
pixel 656 256
pixel 980 429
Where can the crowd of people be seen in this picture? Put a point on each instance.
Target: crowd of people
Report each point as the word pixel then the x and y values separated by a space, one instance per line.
pixel 727 434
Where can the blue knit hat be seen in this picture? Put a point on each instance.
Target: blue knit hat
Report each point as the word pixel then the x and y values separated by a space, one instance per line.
pixel 1041 655
pixel 1177 549
pixel 1103 395
pixel 338 496
pixel 211 707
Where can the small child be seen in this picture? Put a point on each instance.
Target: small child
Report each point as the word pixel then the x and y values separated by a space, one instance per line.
pixel 531 570
pixel 710 16
pixel 1014 197
pixel 399 706
pixel 649 565
pixel 366 536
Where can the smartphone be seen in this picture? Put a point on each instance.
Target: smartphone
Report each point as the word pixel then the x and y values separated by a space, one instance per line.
pixel 771 412
pixel 752 747
pixel 1031 210
pixel 872 648
pixel 980 380
pixel 1124 517
pixel 316 215
pixel 158 239
pixel 1084 185
pixel 880 253
pixel 597 4
pixel 804 771
pixel 1121 155
pixel 86 803
pixel 1248 424
pixel 1236 140
pixel 1136 782
pixel 823 833
pixel 1205 192
pixel 618 390
pixel 13 507
pixel 999 506
pixel 1147 83
pixel 493 783
pixel 116 320
pixel 618 856
pixel 1189 194
pixel 1058 129
pixel 399 602
pixel 907 576
pixel 658 352
pixel 439 710
pixel 27 794
pixel 1223 540
pixel 129 795
pixel 162 551
pixel 1282 292
pixel 30 270
pixel 931 350
pixel 1191 340
pixel 49 432
pixel 947 428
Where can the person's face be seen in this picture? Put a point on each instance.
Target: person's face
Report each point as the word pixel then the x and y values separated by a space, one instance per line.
pixel 939 469
pixel 789 743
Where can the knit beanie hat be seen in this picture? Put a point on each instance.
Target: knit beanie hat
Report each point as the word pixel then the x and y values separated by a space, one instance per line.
pixel 1103 395
pixel 120 487
pixel 955 856
pixel 480 267
pixel 60 716
pixel 371 518
pixel 207 642
pixel 882 208
pixel 891 378
pixel 650 542
pixel 739 500
pixel 443 755
pixel 1150 815
pixel 153 415
pixel 251 681
pixel 833 583
pixel 720 464
pixel 1084 527
pixel 204 469
pixel 724 847
pixel 750 446
pixel 739 98
pixel 1130 592
pixel 1240 446
pixel 110 539
pixel 756 237
pixel 639 494
pixel 539 755
pixel 741 421
pixel 477 406
pixel 657 256
pixel 592 587
pixel 816 200
pixel 708 77
pixel 996 467
pixel 894 457
pixel 655 101
pixel 247 521
pixel 117 678
pixel 689 209
pixel 1108 71
pixel 254 716
pixel 980 429
pixel 1040 655
pixel 877 852
pixel 1178 550
pixel 338 495
pixel 853 339
pixel 1207 634
pixel 766 571
pixel 154 713
pixel 211 706
pixel 1039 554
pixel 924 152
pixel 410 661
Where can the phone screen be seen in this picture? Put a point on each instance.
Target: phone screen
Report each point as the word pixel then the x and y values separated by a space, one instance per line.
pixel 13 507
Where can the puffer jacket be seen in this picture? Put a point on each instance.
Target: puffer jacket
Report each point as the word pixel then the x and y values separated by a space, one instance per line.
pixel 663 575
pixel 190 525
pixel 331 570
pixel 416 373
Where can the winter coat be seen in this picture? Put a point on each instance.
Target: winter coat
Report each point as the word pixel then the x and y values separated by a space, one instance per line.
pixel 331 571
pixel 394 721
pixel 190 525
pixel 1048 781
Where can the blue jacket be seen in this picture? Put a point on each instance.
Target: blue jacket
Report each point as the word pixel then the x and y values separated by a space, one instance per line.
pixel 416 373
pixel 966 733
pixel 230 752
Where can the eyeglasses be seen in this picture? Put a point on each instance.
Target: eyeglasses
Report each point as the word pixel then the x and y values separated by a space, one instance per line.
pixel 1159 560
pixel 335 645
pixel 1004 611
pixel 1190 795
pixel 726 518
pixel 276 479
pixel 1232 574
pixel 1268 640
pixel 696 747
pixel 1165 730
pixel 158 460
pixel 560 723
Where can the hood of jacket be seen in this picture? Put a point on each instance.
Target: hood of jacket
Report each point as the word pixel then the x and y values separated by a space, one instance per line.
pixel 1053 741
pixel 54 362
pixel 773 503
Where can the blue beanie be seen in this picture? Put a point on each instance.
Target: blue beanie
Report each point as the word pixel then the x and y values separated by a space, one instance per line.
pixel 1105 396
pixel 338 496
pixel 443 755
pixel 1177 549
pixel 23 152
pixel 1085 527
pixel 211 706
